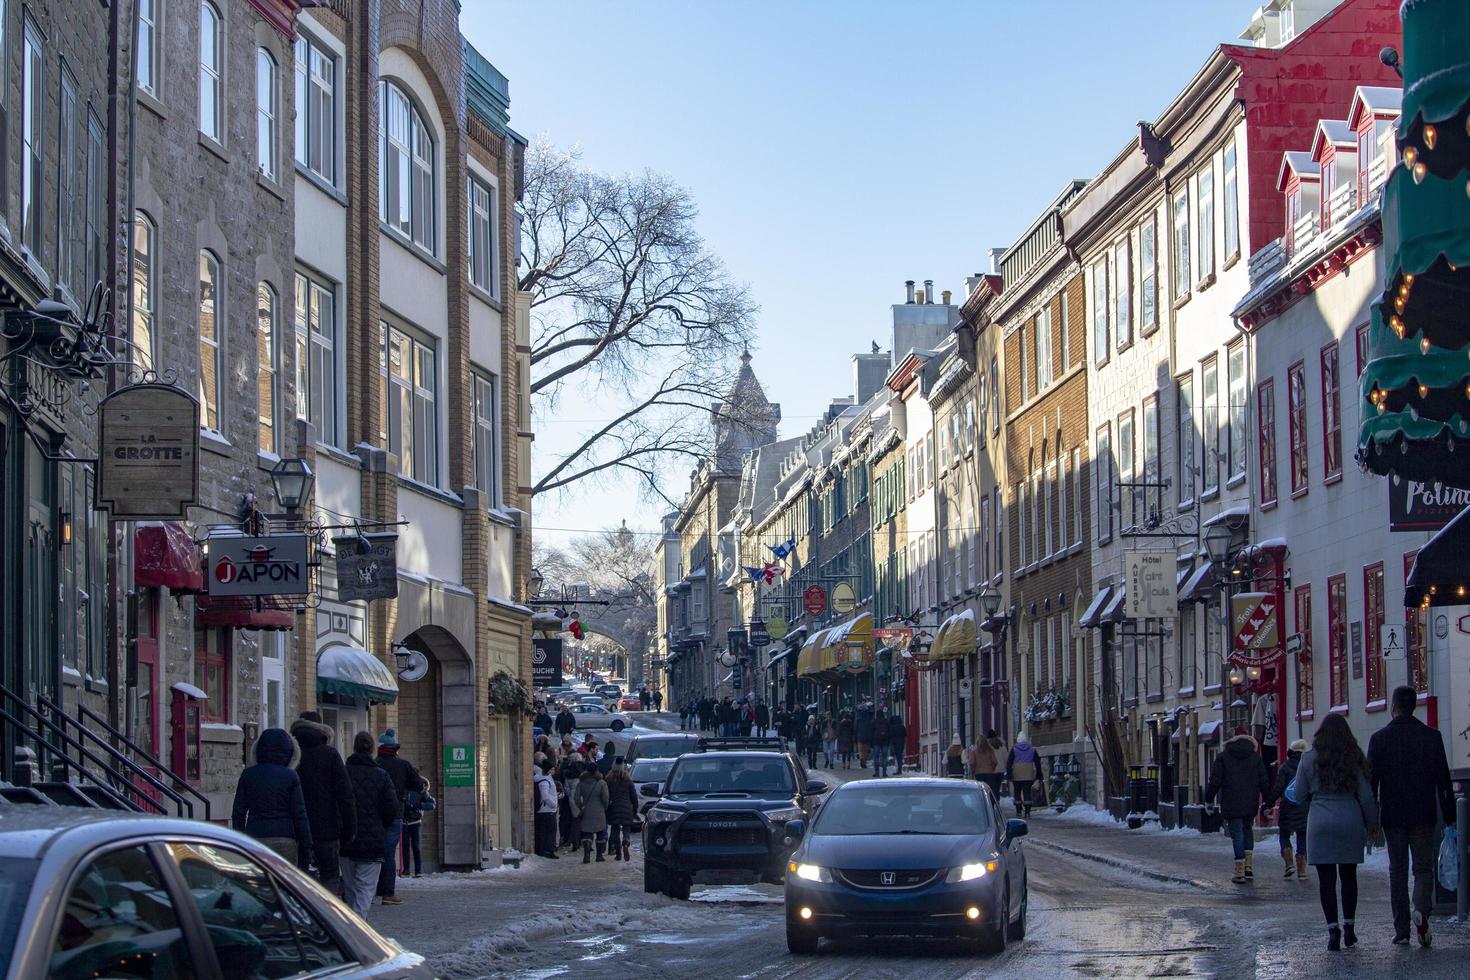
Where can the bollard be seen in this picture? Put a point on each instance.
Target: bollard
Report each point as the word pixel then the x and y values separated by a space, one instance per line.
pixel 1462 820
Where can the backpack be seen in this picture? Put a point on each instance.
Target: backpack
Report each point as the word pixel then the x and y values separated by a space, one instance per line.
pixel 419 799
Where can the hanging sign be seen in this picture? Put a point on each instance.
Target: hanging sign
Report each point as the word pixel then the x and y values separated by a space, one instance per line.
pixel 759 636
pixel 814 600
pixel 844 600
pixel 367 566
pixel 1253 621
pixel 273 565
pixel 1150 592
pixel 777 627
pixel 459 765
pixel 148 452
pixel 546 661
pixel 1415 506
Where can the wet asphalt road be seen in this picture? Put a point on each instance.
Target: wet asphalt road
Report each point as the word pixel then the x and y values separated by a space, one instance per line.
pixel 1179 917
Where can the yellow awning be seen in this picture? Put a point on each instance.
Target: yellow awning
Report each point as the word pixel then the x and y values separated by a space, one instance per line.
pixel 956 637
pixel 809 661
pixel 850 645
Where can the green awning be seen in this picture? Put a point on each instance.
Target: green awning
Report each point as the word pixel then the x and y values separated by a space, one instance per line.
pixel 352 672
pixel 1436 60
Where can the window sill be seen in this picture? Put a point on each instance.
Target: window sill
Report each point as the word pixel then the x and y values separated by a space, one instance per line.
pixel 409 483
pixel 1186 692
pixel 484 296
pixel 1211 689
pixel 1148 331
pixel 320 183
pixel 151 102
pixel 1338 709
pixel 413 248
pixel 1205 283
pixel 33 265
pixel 345 458
pixel 1235 481
pixel 1332 478
pixel 1230 262
pixel 1209 494
pixel 266 460
pixel 213 146
pixel 1307 715
pixel 1154 698
pixel 1125 347
pixel 1180 301
pixel 215 442
pixel 221 733
pixel 1185 505
pixel 1268 504
pixel 1375 706
pixel 70 676
pixel 1296 494
pixel 270 186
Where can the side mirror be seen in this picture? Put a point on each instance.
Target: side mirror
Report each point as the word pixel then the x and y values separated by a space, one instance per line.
pixel 649 789
pixel 1015 828
pixel 816 786
pixel 795 831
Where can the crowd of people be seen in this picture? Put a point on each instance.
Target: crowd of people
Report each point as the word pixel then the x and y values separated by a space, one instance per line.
pixel 354 824
pixel 584 799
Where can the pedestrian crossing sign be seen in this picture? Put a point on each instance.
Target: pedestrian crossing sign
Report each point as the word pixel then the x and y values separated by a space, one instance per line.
pixel 1391 641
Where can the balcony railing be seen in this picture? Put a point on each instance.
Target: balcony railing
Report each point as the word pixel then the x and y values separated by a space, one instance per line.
pixel 1342 205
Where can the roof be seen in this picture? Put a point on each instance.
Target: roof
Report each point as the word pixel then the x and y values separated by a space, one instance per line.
pixel 1377 99
pixel 1334 131
pixel 1298 164
pixel 487 90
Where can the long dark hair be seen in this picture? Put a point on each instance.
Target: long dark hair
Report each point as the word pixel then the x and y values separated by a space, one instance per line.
pixel 1339 758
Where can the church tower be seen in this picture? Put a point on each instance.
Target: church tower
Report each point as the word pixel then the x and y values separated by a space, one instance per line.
pixel 745 420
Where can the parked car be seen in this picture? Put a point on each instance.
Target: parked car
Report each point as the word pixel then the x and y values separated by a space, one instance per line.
pixel 92 893
pixel 663 745
pixel 630 702
pixel 911 856
pixel 597 716
pixel 648 776
pixel 608 690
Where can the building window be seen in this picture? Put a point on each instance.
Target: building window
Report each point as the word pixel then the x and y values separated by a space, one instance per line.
pixel 1186 439
pixel 1123 292
pixel 1415 637
pixel 144 252
pixel 1296 410
pixel 1181 245
pixel 995 394
pixel 316 115
pixel 1101 332
pixel 33 148
pixel 1077 497
pixel 316 357
pixel 212 672
pixel 1210 383
pixel 1360 337
pixel 1306 701
pixel 148 46
pixel 413 421
pixel 1065 490
pixel 1152 471
pixel 487 462
pixel 1026 375
pixel 1206 224
pixel 1337 642
pixel 1188 650
pixel 1331 415
pixel 483 265
pixel 406 188
pixel 211 69
pixel 265 112
pixel 1266 423
pixel 1373 620
pixel 1023 524
pixel 1236 382
pixel 1148 269
pixel 1043 350
pixel 69 138
pixel 1231 194
pixel 1127 496
pixel 211 348
pixel 1048 485
pixel 1213 667
pixel 1103 464
pixel 94 260
pixel 267 342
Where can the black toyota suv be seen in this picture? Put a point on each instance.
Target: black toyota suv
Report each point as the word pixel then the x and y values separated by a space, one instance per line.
pixel 723 816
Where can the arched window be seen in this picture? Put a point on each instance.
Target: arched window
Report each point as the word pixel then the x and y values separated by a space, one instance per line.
pixel 268 341
pixel 406 190
pixel 211 367
pixel 145 246
pixel 265 112
pixel 211 72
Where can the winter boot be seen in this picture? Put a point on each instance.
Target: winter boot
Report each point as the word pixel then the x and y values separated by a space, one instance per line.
pixel 627 851
pixel 601 846
pixel 1249 858
pixel 1301 867
pixel 587 852
pixel 1349 934
pixel 1334 938
pixel 1239 878
pixel 1290 863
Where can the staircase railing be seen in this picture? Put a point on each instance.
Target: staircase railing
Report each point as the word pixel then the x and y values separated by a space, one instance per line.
pixel 60 755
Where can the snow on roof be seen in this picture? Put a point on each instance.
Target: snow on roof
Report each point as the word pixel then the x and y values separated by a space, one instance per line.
pixel 1298 163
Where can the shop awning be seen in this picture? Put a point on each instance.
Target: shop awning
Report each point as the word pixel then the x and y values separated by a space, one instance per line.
pixel 166 557
pixel 1208 729
pixel 809 661
pixel 956 637
pixel 1200 585
pixel 849 645
pixel 1113 611
pixel 1440 576
pixel 781 658
pixel 1094 609
pixel 244 612
pixel 352 672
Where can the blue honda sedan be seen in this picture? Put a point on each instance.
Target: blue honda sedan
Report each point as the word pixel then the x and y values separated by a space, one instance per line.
pixel 909 856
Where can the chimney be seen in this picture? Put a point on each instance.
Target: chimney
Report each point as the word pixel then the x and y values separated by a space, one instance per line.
pixel 946 295
pixel 995 254
pixel 910 284
pixel 922 298
pixel 928 290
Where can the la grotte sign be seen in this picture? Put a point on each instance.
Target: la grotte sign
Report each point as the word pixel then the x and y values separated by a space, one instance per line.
pixel 148 452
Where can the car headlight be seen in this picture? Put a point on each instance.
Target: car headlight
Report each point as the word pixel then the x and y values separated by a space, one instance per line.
pixel 969 872
pixel 786 813
pixel 663 814
pixel 810 872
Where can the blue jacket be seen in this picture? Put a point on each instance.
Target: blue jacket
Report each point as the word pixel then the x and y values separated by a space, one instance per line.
pixel 268 797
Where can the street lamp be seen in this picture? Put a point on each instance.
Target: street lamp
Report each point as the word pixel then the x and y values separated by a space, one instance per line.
pixel 536 580
pixel 1217 543
pixel 291 479
pixel 990 602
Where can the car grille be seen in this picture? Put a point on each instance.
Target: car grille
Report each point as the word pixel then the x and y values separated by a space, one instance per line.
pixel 739 837
pixel 901 879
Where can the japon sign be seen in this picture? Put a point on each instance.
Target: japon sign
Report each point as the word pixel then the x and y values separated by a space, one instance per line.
pixel 274 565
pixel 1415 506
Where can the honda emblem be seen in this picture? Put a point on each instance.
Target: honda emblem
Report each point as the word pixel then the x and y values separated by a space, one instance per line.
pixel 889 878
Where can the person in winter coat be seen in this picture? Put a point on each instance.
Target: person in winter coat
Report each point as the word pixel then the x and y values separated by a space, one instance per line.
pixel 762 719
pixel 878 734
pixel 829 742
pixel 985 764
pixel 1291 820
pixel 567 774
pixel 954 759
pixel 1332 779
pixel 546 807
pixel 658 700
pixel 591 799
pixel 543 720
pixel 811 740
pixel 897 737
pixel 862 732
pixel 413 825
pixel 622 814
pixel 407 784
pixel 269 804
pixel 565 722
pixel 328 794
pixel 1023 765
pixel 844 739
pixel 1411 782
pixel 1240 781
pixel 377 809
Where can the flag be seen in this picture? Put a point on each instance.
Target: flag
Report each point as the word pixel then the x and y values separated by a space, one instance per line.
pixel 771 571
pixel 756 574
pixel 784 548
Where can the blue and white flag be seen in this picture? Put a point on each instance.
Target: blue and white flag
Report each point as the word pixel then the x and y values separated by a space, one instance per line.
pixel 784 548
pixel 756 574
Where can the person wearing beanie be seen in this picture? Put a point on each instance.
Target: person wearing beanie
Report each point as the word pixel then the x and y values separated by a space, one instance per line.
pixel 1291 819
pixel 329 805
pixel 406 780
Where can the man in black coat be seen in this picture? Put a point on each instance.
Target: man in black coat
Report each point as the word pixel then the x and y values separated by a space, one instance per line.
pixel 406 780
pixel 897 737
pixel 377 808
pixel 1411 781
pixel 1240 780
pixel 566 722
pixel 542 720
pixel 762 718
pixel 329 807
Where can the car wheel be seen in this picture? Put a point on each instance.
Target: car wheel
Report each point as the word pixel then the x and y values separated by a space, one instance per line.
pixel 993 940
pixel 618 726
pixel 679 887
pixel 802 942
pixel 653 878
pixel 1018 931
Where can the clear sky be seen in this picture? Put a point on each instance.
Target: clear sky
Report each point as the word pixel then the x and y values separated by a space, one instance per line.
pixel 838 147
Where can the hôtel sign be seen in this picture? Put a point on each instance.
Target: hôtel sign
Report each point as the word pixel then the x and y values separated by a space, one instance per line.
pixel 148 452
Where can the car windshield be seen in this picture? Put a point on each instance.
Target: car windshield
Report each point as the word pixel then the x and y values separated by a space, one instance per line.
pixel 651 770
pixel 731 774
pixel 15 887
pixel 663 748
pixel 904 810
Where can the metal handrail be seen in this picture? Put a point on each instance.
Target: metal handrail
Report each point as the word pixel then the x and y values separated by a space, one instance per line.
pixel 113 752
pixel 66 760
pixel 146 756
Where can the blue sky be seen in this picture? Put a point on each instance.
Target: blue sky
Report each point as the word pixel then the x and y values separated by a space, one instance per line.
pixel 839 148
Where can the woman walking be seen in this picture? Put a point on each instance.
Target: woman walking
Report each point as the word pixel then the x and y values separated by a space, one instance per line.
pixel 1332 779
pixel 829 742
pixel 591 800
pixel 954 760
pixel 812 735
pixel 622 814
pixel 1023 765
pixel 844 739
pixel 985 763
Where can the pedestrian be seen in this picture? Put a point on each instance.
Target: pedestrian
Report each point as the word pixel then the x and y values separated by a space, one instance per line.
pixel 609 758
pixel 658 701
pixel 879 735
pixel 1332 778
pixel 747 717
pixel 622 814
pixel 413 822
pixel 328 795
pixel 406 780
pixel 566 722
pixel 546 808
pixel 591 799
pixel 812 740
pixel 1022 765
pixel 844 739
pixel 1291 820
pixel 567 774
pixel 543 721
pixel 683 717
pixel 985 764
pixel 1411 783
pixel 897 734
pixel 269 804
pixel 954 759
pixel 862 731
pixel 1240 781
pixel 377 809
pixel 829 742
pixel 643 697
pixel 762 718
